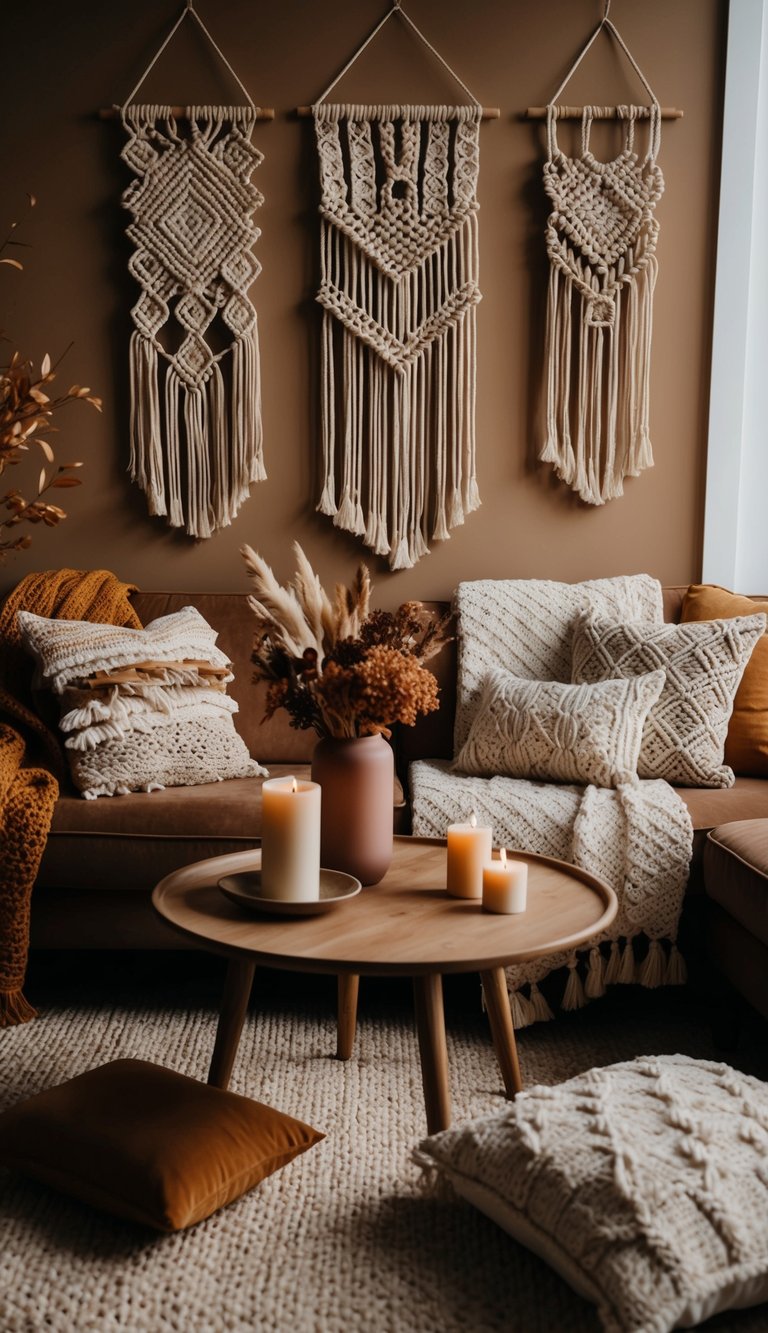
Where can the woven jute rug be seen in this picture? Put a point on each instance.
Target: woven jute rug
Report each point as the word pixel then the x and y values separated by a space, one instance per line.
pixel 344 1238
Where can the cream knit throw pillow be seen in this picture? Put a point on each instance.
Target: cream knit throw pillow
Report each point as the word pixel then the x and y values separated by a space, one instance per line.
pixel 526 626
pixel 684 734
pixel 643 1184
pixel 569 733
pixel 141 709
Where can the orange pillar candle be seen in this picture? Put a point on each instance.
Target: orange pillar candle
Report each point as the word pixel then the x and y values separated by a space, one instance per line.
pixel 505 885
pixel 290 840
pixel 469 847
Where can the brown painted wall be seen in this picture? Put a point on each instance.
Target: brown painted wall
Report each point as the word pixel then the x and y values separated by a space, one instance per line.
pixel 64 61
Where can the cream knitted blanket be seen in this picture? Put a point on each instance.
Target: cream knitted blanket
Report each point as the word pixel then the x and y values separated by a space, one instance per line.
pixel 638 837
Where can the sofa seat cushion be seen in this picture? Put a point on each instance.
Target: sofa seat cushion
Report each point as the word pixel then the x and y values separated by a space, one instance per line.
pixel 736 873
pixel 710 806
pixel 131 842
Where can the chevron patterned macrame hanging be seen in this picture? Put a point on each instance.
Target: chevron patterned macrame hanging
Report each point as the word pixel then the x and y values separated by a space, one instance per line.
pixel 601 243
pixel 399 286
pixel 194 357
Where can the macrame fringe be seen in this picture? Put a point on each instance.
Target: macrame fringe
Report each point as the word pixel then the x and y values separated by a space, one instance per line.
pixel 598 418
pixel 223 455
pixel 14 1009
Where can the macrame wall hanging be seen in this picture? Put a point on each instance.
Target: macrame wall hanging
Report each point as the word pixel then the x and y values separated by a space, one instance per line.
pixel 399 286
pixel 601 242
pixel 195 423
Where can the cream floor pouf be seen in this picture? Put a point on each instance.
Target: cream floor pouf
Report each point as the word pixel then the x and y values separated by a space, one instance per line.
pixel 644 1184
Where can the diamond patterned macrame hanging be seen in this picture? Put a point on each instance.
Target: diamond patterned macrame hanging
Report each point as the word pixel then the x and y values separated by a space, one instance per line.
pixel 194 357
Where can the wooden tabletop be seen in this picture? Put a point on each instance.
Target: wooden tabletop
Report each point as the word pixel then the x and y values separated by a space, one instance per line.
pixel 404 926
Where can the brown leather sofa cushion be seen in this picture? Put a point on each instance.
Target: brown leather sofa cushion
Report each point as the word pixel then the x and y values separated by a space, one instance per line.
pixel 131 842
pixel 736 873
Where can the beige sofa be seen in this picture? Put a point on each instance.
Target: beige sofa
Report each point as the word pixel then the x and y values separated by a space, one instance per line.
pixel 103 857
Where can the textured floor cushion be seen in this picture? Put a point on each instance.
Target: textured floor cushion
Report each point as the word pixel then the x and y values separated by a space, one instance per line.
pixel 645 1185
pixel 148 1144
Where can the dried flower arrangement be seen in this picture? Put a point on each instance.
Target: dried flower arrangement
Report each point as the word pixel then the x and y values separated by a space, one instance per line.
pixel 26 412
pixel 336 665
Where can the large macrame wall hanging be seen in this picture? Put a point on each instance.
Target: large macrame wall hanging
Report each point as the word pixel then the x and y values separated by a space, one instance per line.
pixel 399 286
pixel 196 442
pixel 601 242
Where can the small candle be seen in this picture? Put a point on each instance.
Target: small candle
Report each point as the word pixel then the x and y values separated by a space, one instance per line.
pixel 290 840
pixel 505 885
pixel 469 848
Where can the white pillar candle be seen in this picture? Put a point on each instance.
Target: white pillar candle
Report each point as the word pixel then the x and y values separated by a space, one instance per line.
pixel 505 885
pixel 290 840
pixel 469 848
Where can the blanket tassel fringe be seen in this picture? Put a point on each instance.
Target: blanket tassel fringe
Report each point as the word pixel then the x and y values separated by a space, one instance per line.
pixel 619 968
pixel 14 1009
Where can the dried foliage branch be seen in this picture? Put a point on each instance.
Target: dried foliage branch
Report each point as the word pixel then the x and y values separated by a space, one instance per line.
pixel 27 408
pixel 337 666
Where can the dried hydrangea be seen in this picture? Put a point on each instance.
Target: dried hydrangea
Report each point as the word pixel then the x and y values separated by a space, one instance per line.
pixel 341 684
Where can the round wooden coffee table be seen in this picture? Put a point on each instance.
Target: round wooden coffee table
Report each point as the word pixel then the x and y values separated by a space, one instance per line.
pixel 404 926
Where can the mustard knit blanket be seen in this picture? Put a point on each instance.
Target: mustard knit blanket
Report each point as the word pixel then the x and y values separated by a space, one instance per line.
pixel 31 758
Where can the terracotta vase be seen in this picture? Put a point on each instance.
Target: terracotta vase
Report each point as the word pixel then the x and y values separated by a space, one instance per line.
pixel 356 777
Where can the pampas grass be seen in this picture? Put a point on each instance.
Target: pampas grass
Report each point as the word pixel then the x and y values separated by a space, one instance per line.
pixel 300 615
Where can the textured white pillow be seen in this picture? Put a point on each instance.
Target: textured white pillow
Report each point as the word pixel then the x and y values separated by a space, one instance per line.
pixel 526 626
pixel 67 651
pixel 684 735
pixel 173 754
pixel 568 733
pixel 645 1185
pixel 169 728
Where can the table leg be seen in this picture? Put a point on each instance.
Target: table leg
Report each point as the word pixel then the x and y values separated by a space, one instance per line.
pixel 346 1014
pixel 430 1026
pixel 502 1028
pixel 234 1003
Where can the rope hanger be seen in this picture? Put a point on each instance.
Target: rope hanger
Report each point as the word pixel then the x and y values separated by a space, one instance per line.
pixel 180 112
pixel 604 112
pixel 487 113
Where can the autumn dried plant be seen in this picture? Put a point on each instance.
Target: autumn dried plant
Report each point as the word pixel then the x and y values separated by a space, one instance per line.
pixel 27 408
pixel 334 664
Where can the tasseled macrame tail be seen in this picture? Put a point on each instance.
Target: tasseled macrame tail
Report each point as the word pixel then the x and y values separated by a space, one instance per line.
pixel 601 242
pixel 399 286
pixel 14 1009
pixel 195 423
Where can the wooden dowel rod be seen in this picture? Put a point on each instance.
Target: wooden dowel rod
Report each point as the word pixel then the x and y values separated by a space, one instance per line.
pixel 488 112
pixel 599 113
pixel 180 112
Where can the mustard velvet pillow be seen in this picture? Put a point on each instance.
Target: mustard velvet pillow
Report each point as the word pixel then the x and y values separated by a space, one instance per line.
pixel 746 745
pixel 143 1142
